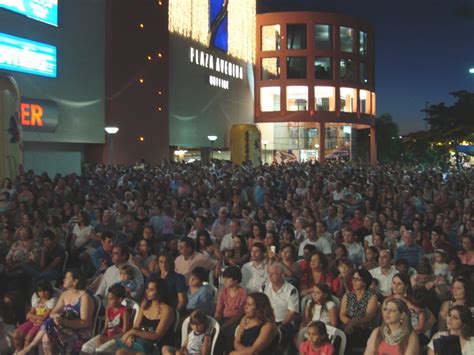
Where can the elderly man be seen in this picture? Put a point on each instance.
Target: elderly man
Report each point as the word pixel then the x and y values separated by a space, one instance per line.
pixel 120 258
pixel 384 272
pixel 284 299
pixel 228 240
pixel 254 273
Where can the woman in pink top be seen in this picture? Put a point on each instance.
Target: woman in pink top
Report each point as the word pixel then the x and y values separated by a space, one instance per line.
pixel 467 254
pixel 230 307
pixel 395 336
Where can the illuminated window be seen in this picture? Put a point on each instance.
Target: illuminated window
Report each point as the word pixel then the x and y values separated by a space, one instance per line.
pixel 297 98
pixel 296 36
pixel 323 37
pixel 323 69
pixel 373 104
pixel 296 67
pixel 325 98
pixel 271 38
pixel 346 38
pixel 348 99
pixel 270 99
pixel 365 101
pixel 363 75
pixel 270 68
pixel 346 70
pixel 362 43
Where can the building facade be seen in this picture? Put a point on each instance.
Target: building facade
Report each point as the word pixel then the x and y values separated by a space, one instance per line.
pixel 315 86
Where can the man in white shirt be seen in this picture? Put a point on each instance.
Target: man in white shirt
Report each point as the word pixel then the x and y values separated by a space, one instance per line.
pixel 320 243
pixel 384 273
pixel 355 250
pixel 120 257
pixel 284 299
pixel 228 240
pixel 254 273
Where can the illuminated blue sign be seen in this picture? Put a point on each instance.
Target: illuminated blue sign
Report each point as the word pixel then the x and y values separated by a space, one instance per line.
pixel 219 24
pixel 27 56
pixel 40 10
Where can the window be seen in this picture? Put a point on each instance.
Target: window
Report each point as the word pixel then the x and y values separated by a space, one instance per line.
pixel 373 104
pixel 364 77
pixel 324 98
pixel 348 97
pixel 346 39
pixel 296 36
pixel 347 72
pixel 270 99
pixel 271 38
pixel 297 98
pixel 322 69
pixel 323 37
pixel 362 43
pixel 270 68
pixel 365 100
pixel 296 67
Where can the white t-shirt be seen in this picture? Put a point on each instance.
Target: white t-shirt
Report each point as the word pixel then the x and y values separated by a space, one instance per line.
pixel 468 345
pixel 35 302
pixel 323 315
pixel 81 235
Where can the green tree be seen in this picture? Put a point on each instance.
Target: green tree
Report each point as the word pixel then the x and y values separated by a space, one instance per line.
pixel 389 147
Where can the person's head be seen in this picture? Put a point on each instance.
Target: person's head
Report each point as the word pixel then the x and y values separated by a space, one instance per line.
pixel 107 240
pixel 345 266
pixel 257 253
pixel 197 277
pixel 74 280
pixel 340 251
pixel 467 243
pixel 156 291
pixel 270 238
pixel 115 295
pixel 321 293
pixel 460 319
pixel 165 262
pixel 308 250
pixel 83 218
pixel 232 276
pixel 318 261
pixel 148 233
pixel 288 252
pixel 234 226
pixel 461 290
pixel 371 254
pixel 310 230
pixel 126 272
pixel 203 239
pixel 420 296
pixel 440 256
pixel 317 333
pixel 48 239
pixel 120 254
pixel 276 274
pixel 258 230
pixel 198 322
pixel 361 280
pixel 258 307
pixel 186 247
pixel 44 289
pixel 401 285
pixel 402 265
pixel 385 259
pixel 145 247
pixel 348 235
pixel 408 238
pixel 377 240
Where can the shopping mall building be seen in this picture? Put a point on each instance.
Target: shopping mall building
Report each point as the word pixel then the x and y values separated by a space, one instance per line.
pixel 172 73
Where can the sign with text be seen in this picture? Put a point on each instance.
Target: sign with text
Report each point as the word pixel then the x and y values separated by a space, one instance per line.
pixel 40 10
pixel 27 56
pixel 38 115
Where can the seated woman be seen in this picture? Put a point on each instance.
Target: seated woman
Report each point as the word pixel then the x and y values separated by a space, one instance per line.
pixel 257 332
pixel 315 272
pixel 395 335
pixel 153 324
pixel 70 322
pixel 358 309
pixel 467 254
pixel 461 294
pixel 458 338
pixel 239 255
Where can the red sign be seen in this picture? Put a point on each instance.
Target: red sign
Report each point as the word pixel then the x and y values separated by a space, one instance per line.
pixel 38 115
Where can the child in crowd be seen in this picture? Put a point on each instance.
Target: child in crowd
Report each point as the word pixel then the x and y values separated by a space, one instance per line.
pixel 371 257
pixel 440 267
pixel 198 340
pixel 318 341
pixel 421 317
pixel 343 282
pixel 320 307
pixel 117 323
pixel 126 280
pixel 199 296
pixel 42 303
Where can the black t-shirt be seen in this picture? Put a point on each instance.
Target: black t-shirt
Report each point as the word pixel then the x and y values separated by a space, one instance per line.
pixel 57 252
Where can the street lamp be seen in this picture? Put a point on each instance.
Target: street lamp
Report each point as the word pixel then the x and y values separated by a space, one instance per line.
pixel 212 139
pixel 471 70
pixel 264 142
pixel 111 131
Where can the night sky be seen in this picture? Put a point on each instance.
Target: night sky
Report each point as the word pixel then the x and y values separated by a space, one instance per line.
pixel 423 49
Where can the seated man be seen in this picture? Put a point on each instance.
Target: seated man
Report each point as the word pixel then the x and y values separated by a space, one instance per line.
pixel 189 259
pixel 254 273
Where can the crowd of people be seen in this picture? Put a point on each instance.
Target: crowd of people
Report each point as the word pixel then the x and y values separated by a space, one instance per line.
pixel 301 257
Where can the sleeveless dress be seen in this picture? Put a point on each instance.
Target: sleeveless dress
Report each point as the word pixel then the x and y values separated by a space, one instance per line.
pixel 251 334
pixel 68 340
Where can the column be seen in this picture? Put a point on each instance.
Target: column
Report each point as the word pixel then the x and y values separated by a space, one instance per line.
pixel 373 147
pixel 322 141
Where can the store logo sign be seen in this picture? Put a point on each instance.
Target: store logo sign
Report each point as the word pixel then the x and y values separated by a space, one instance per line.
pixel 40 10
pixel 38 115
pixel 218 24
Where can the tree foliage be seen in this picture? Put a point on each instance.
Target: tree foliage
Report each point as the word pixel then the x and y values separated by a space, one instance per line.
pixel 387 138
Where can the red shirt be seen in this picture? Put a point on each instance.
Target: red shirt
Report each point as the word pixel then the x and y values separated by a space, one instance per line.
pixel 115 317
pixel 307 349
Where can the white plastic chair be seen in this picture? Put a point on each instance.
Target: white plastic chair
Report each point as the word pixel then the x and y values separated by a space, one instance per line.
pixel 133 306
pixel 212 323
pixel 333 333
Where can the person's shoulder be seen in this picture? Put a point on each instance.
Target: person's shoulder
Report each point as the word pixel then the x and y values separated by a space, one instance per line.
pixel 305 347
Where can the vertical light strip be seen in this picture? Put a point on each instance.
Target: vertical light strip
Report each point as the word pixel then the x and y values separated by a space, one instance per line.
pixel 190 19
pixel 242 27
